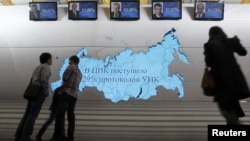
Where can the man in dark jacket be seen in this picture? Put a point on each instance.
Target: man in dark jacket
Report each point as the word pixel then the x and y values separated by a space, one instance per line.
pixel 74 13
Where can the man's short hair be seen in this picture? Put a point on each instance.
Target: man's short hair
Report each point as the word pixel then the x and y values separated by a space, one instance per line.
pixel 44 57
pixel 75 59
pixel 157 4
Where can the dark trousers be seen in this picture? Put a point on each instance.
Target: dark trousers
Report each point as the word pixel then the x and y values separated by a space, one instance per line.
pixel 51 118
pixel 26 125
pixel 231 111
pixel 66 103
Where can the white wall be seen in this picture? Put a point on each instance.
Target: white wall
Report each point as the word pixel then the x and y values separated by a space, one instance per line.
pixel 22 41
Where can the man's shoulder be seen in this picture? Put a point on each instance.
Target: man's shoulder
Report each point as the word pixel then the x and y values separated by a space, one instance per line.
pixel 79 71
pixel 45 67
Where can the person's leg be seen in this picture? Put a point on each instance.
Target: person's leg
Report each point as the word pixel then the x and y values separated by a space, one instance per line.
pixel 238 109
pixel 19 130
pixel 59 131
pixel 33 114
pixel 71 118
pixel 46 125
pixel 227 109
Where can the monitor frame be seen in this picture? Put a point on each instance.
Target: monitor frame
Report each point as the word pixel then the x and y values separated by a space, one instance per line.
pixel 42 18
pixel 137 17
pixel 79 3
pixel 209 18
pixel 164 16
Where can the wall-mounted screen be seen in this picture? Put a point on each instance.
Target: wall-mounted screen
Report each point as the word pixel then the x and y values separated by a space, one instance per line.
pixel 166 9
pixel 124 9
pixel 82 10
pixel 208 10
pixel 43 11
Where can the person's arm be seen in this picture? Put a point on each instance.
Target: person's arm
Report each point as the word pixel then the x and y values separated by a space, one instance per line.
pixel 74 79
pixel 207 55
pixel 238 48
pixel 45 75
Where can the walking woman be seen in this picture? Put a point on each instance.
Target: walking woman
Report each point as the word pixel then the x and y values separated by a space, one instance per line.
pixel 230 82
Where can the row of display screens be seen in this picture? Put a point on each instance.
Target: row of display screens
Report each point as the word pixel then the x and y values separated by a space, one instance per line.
pixel 128 10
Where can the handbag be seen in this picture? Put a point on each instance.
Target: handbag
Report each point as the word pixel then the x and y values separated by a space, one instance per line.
pixel 207 83
pixel 32 92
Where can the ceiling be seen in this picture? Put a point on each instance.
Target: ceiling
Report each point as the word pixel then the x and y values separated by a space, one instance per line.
pixel 23 2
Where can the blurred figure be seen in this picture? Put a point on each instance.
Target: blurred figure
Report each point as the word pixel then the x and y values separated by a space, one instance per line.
pixel 200 10
pixel 34 12
pixel 40 76
pixel 116 13
pixel 157 11
pixel 67 101
pixel 52 116
pixel 231 85
pixel 73 13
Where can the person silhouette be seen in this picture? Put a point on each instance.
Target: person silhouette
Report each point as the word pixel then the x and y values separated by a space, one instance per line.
pixel 116 13
pixel 34 12
pixel 52 116
pixel 157 11
pixel 230 83
pixel 40 76
pixel 74 13
pixel 200 10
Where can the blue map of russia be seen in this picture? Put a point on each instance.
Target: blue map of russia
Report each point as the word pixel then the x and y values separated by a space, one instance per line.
pixel 132 75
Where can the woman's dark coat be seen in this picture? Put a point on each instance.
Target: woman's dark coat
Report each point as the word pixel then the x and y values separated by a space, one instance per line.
pixel 229 79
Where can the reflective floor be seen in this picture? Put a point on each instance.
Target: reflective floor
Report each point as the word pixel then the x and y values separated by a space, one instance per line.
pixel 134 121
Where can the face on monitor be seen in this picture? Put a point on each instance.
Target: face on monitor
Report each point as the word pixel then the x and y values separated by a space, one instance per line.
pixel 166 9
pixel 124 9
pixel 82 10
pixel 208 10
pixel 43 11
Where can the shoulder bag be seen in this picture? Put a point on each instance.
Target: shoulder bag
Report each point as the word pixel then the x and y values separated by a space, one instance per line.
pixel 207 83
pixel 32 92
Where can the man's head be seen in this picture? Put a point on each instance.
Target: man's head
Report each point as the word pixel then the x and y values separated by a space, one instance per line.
pixel 34 7
pixel 200 7
pixel 74 6
pixel 74 60
pixel 157 8
pixel 116 7
pixel 46 58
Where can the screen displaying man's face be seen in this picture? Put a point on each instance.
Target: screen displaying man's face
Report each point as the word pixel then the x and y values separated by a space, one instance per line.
pixel 34 7
pixel 158 10
pixel 116 7
pixel 200 8
pixel 74 6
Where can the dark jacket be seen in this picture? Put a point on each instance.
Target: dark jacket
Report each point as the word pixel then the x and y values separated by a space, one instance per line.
pixel 72 15
pixel 229 79
pixel 202 16
pixel 34 14
pixel 112 15
pixel 155 17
